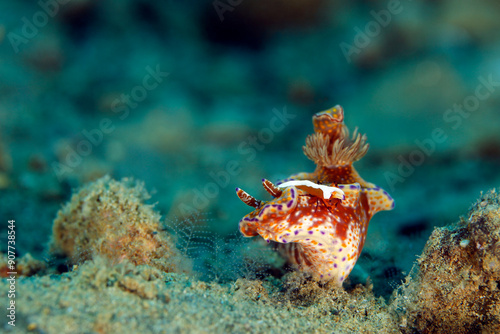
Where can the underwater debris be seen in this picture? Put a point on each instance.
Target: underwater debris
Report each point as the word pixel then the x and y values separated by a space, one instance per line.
pixel 321 218
pixel 455 287
pixel 109 218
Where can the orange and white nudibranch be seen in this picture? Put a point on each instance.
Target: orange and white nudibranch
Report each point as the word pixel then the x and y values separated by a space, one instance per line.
pixel 321 218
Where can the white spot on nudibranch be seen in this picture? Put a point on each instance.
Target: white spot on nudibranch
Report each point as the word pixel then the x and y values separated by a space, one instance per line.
pixel 328 191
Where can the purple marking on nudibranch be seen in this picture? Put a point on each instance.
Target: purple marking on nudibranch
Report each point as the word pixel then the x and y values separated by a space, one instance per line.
pixel 343 259
pixel 322 232
pixel 352 186
pixel 262 211
pixel 292 192
pixel 311 232
pixel 284 241
pixel 340 249
pixel 335 265
pixel 289 204
pixel 296 232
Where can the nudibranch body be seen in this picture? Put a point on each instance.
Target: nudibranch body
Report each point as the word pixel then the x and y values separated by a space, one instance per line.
pixel 321 218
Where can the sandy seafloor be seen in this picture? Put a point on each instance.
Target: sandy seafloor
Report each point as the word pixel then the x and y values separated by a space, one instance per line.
pixel 432 71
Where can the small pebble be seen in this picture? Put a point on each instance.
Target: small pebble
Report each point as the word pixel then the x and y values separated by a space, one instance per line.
pixel 464 243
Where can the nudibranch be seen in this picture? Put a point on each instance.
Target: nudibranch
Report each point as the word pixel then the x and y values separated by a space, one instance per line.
pixel 320 218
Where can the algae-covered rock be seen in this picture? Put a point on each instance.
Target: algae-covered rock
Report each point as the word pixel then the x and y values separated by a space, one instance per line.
pixel 457 286
pixel 110 219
